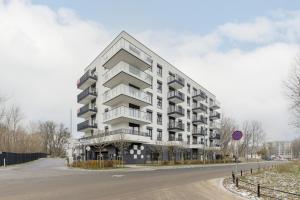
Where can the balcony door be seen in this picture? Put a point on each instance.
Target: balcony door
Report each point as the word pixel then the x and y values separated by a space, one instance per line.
pixel 134 128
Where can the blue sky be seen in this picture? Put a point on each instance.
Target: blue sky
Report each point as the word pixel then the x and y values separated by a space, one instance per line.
pixel 184 16
pixel 242 51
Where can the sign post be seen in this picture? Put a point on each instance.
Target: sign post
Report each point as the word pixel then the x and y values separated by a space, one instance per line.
pixel 236 136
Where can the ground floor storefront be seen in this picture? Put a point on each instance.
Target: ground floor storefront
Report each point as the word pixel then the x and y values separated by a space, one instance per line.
pixel 138 153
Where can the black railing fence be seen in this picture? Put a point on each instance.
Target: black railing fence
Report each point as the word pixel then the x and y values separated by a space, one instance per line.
pixel 8 158
pixel 258 189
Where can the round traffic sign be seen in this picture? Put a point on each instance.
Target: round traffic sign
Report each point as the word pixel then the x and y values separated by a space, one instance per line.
pixel 237 135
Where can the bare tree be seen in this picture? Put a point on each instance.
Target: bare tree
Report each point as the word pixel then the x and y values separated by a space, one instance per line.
pixel 296 148
pixel 101 143
pixel 121 144
pixel 228 125
pixel 157 149
pixel 292 86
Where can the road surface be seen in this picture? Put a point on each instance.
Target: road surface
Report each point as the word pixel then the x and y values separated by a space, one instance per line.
pixel 50 179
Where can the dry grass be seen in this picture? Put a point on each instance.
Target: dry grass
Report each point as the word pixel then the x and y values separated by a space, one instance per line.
pixel 96 164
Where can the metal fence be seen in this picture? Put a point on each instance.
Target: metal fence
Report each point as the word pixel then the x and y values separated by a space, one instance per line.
pixel 260 190
pixel 7 158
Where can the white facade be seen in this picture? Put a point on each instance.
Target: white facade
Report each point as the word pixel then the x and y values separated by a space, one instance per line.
pixel 126 77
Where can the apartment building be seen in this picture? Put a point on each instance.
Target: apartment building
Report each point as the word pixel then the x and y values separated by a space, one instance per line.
pixel 131 97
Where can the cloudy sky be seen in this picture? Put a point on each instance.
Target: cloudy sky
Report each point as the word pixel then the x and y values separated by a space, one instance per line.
pixel 241 52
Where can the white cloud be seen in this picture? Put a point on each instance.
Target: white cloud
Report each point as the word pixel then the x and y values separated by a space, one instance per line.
pixel 43 52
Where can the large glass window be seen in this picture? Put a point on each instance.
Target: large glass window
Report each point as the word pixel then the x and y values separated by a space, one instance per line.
pixel 159 102
pixel 159 70
pixel 159 87
pixel 159 118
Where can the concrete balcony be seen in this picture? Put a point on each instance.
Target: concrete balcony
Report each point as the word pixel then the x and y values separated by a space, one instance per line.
pixel 125 94
pixel 214 115
pixel 199 132
pixel 199 95
pixel 199 119
pixel 175 111
pixel 175 126
pixel 199 108
pixel 214 105
pixel 215 125
pixel 86 111
pixel 127 115
pixel 86 126
pixel 125 51
pixel 115 135
pixel 176 82
pixel 176 96
pixel 125 73
pixel 87 80
pixel 87 95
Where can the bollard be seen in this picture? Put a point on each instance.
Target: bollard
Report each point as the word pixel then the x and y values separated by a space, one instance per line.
pixel 258 190
pixel 237 182
pixel 251 170
pixel 241 172
pixel 4 162
pixel 233 177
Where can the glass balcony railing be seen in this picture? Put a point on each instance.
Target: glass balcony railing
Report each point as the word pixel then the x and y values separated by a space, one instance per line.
pixel 127 112
pixel 126 90
pixel 126 45
pixel 129 69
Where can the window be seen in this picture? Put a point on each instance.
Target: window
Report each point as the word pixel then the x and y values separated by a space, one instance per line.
pixel 179 137
pixel 188 139
pixel 188 127
pixel 149 132
pixel 194 91
pixel 159 134
pixel 188 114
pixel 159 70
pixel 189 88
pixel 149 115
pixel 151 95
pixel 159 87
pixel 106 130
pixel 159 119
pixel 188 99
pixel 159 102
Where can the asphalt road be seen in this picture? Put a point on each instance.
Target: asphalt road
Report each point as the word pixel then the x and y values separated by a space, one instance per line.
pixel 49 179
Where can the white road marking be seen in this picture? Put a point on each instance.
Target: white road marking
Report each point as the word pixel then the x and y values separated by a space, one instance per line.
pixel 117 176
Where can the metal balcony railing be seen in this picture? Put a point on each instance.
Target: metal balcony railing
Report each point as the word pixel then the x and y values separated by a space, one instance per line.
pixel 200 119
pixel 176 94
pixel 176 78
pixel 200 106
pixel 85 77
pixel 88 91
pixel 86 108
pixel 176 125
pixel 86 124
pixel 176 109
